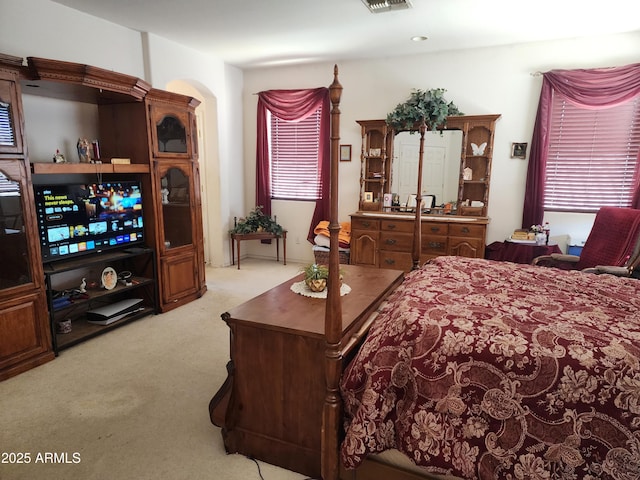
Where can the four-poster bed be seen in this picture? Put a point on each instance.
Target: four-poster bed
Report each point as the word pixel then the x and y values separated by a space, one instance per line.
pixel 481 369
pixel 469 368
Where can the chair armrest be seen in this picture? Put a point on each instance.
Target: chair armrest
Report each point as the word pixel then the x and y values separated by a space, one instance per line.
pixel 612 270
pixel 554 258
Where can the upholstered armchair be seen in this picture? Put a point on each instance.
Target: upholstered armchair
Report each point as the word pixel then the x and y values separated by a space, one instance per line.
pixel 613 245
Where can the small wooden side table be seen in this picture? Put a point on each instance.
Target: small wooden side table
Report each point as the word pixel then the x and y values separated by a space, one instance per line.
pixel 236 238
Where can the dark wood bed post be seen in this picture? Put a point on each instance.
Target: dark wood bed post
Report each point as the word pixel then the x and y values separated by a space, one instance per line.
pixel 417 225
pixel 333 311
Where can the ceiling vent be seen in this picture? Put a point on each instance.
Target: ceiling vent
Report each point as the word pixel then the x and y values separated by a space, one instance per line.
pixel 379 6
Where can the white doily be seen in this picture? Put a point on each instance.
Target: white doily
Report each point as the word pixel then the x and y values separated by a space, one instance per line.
pixel 301 289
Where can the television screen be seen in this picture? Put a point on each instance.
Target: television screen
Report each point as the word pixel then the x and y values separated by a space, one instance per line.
pixel 78 219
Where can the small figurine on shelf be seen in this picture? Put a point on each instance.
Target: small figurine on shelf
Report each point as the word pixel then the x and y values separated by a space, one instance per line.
pixel 83 286
pixel 467 174
pixel 84 154
pixel 165 195
pixel 59 158
pixel 547 231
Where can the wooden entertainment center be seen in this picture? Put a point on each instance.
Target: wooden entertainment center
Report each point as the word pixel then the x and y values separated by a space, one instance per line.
pixel 155 132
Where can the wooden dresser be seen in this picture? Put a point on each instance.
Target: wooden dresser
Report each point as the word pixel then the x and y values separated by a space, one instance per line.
pixel 270 406
pixel 385 240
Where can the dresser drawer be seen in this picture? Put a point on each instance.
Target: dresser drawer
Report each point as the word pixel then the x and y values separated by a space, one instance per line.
pixel 457 230
pixel 396 226
pixel 397 242
pixel 364 224
pixel 434 228
pixel 434 245
pixel 396 260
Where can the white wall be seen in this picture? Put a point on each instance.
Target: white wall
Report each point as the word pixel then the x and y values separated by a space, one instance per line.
pixel 218 84
pixel 492 80
pixel 42 28
pixel 480 81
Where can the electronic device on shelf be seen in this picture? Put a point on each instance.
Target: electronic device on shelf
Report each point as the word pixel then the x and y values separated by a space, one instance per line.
pixel 77 219
pixel 113 312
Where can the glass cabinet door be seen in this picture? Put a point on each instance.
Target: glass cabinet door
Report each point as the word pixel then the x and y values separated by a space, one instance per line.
pixel 10 133
pixel 172 135
pixel 14 254
pixel 170 132
pixel 176 207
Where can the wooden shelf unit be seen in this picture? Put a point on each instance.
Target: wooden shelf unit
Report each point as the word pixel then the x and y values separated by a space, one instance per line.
pixel 139 261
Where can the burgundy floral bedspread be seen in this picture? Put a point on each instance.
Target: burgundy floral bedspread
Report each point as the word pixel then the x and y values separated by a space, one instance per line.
pixel 493 370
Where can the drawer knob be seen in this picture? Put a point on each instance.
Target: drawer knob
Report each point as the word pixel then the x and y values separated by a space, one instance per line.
pixel 389 261
pixel 435 229
pixel 465 230
pixel 390 241
pixel 391 226
pixel 366 224
pixel 435 244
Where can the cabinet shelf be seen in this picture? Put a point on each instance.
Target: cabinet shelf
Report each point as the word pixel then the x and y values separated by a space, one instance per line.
pixel 84 168
pixel 140 261
pixel 98 294
pixel 83 330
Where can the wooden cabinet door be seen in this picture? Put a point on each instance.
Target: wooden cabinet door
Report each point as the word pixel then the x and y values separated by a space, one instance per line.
pixel 25 336
pixel 172 135
pixel 466 247
pixel 179 279
pixel 364 248
pixel 179 232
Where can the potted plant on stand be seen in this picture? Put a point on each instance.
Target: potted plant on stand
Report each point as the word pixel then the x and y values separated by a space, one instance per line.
pixel 257 221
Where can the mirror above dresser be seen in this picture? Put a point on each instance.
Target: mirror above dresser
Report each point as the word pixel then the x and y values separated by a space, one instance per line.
pixel 454 189
pixel 456 166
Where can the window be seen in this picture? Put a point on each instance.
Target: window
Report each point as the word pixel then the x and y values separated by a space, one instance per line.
pixel 593 156
pixel 294 157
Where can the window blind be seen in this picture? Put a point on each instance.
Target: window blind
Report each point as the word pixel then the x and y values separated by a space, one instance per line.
pixel 295 166
pixel 593 156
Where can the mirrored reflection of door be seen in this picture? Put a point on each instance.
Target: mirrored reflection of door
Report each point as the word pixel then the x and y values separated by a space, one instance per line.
pixel 176 208
pixel 14 255
pixel 440 167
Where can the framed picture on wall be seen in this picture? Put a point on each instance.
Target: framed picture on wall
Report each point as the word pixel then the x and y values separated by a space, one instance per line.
pixel 345 153
pixel 518 150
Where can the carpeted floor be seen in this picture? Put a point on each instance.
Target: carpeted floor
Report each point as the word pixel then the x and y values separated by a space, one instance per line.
pixel 133 404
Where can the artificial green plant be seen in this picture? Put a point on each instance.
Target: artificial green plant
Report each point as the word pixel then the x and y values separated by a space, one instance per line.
pixel 429 105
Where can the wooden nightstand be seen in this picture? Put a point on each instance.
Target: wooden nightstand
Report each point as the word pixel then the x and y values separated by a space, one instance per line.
pixel 270 406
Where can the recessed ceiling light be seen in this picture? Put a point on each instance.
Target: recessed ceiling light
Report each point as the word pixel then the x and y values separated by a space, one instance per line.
pixel 419 38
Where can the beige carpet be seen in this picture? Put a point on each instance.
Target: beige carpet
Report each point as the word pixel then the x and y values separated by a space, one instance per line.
pixel 133 403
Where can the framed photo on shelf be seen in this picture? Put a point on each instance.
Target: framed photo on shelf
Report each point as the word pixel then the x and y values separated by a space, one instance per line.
pixel 428 202
pixel 345 153
pixel 411 201
pixel 109 278
pixel 518 150
pixel 368 197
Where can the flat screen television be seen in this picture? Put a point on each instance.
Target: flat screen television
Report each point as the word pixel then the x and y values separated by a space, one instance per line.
pixel 79 219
